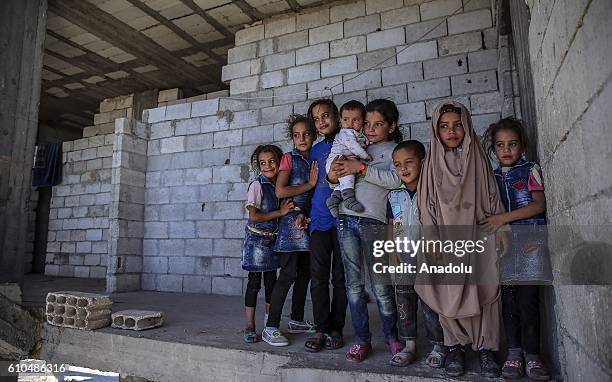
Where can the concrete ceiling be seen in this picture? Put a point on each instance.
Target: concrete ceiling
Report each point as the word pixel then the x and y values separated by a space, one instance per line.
pixel 95 49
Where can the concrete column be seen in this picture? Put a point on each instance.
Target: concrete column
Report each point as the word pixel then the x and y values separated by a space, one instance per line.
pixel 22 34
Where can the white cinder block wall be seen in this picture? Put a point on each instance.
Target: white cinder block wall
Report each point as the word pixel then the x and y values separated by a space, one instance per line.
pixel 198 152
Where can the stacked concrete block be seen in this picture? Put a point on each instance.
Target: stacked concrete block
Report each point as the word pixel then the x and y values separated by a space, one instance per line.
pixel 165 97
pixel 78 310
pixel 137 319
pixel 78 230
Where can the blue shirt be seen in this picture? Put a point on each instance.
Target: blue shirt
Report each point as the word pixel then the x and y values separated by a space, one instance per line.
pixel 321 218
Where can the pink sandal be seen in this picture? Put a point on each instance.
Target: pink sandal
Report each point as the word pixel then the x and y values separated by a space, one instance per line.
pixel 358 352
pixel 395 346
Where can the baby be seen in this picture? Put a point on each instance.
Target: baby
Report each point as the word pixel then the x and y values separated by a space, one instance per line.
pixel 350 143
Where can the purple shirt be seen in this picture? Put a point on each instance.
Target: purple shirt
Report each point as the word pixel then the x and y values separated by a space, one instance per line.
pixel 321 218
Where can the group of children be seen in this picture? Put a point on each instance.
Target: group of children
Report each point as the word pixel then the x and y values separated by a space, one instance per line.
pixel 315 213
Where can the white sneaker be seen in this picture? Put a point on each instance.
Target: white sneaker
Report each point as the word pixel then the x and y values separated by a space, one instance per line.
pixel 301 327
pixel 274 337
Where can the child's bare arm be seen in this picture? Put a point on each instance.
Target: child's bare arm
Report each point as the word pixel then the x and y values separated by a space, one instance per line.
pixel 532 209
pixel 256 216
pixel 283 190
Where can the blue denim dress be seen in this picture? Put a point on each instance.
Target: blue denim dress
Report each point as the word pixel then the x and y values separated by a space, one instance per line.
pixel 528 262
pixel 258 250
pixel 290 238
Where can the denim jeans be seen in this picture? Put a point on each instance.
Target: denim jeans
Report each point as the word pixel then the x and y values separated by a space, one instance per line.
pixel 357 236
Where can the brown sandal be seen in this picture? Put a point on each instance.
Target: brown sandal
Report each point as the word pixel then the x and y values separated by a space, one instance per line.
pixel 333 342
pixel 315 343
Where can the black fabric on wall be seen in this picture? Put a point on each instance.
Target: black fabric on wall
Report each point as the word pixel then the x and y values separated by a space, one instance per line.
pixel 47 169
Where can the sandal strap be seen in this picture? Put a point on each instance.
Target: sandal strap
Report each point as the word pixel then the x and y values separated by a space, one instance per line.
pixel 517 363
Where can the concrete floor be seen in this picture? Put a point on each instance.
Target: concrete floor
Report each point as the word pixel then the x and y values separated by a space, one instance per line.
pixel 203 334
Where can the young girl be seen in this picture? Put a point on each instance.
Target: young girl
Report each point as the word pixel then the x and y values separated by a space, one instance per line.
pixel 297 176
pixel 328 309
pixel 522 191
pixel 457 187
pixel 258 257
pixel 358 231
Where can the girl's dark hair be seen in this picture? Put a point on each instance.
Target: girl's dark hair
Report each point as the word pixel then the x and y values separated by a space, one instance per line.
pixel 294 119
pixel 264 149
pixel 509 123
pixel 414 145
pixel 353 105
pixel 390 114
pixel 323 101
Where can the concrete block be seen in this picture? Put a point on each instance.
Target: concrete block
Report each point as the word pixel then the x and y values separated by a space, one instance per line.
pixel 162 130
pixel 290 94
pixel 338 66
pixel 445 66
pixel 215 123
pixel 365 80
pixel 227 286
pixel 248 35
pixel 172 145
pixel 279 61
pixel 265 47
pixel 361 25
pixel 422 90
pixel 156 230
pixel 244 85
pixel 196 284
pixel 272 79
pixel 489 37
pixel 312 19
pixel 215 157
pixel 347 11
pixel 376 59
pixel 226 174
pixel 216 192
pixel 274 114
pixel 312 54
pixel 325 33
pixel 169 283
pixel 244 119
pixel 172 247
pixel 347 46
pixel 185 194
pixel 78 310
pixel 461 43
pixel 482 122
pixel 155 264
pixel 237 70
pixel 242 53
pixel 303 73
pixel 256 65
pixel 101 118
pixel 402 73
pixel 474 82
pixel 188 126
pixel 292 41
pixel 440 8
pixel 227 138
pixel 483 60
pixel 385 39
pixel 210 266
pixel 400 17
pixel 137 319
pixel 169 95
pixel 181 265
pixel 91 260
pixel 179 111
pixel 280 26
pixel 378 6
pixel 416 52
pixel 155 115
pixel 203 108
pixel 108 104
pixel 199 142
pixel 397 93
pixel 486 103
pixel 81 144
pixel 469 21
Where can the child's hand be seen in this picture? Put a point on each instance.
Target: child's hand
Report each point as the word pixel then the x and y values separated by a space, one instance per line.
pixel 286 206
pixel 369 158
pixel 301 222
pixel 347 167
pixel 314 174
pixel 493 223
pixel 502 243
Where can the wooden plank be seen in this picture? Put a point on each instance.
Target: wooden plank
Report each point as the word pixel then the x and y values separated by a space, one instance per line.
pixel 174 28
pixel 103 25
pixel 295 7
pixel 249 10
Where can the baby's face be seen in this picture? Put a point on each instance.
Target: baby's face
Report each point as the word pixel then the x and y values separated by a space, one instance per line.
pixel 352 119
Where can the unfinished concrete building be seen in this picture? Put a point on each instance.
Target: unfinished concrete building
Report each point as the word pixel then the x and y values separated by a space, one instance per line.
pixel 159 104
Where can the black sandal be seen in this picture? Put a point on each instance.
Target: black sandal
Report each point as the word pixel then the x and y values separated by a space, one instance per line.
pixel 333 342
pixel 315 344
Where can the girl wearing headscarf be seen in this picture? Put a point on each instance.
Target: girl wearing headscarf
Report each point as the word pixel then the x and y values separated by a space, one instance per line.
pixel 457 188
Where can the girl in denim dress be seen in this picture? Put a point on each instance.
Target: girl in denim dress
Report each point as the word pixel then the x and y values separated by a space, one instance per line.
pixel 297 177
pixel 258 257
